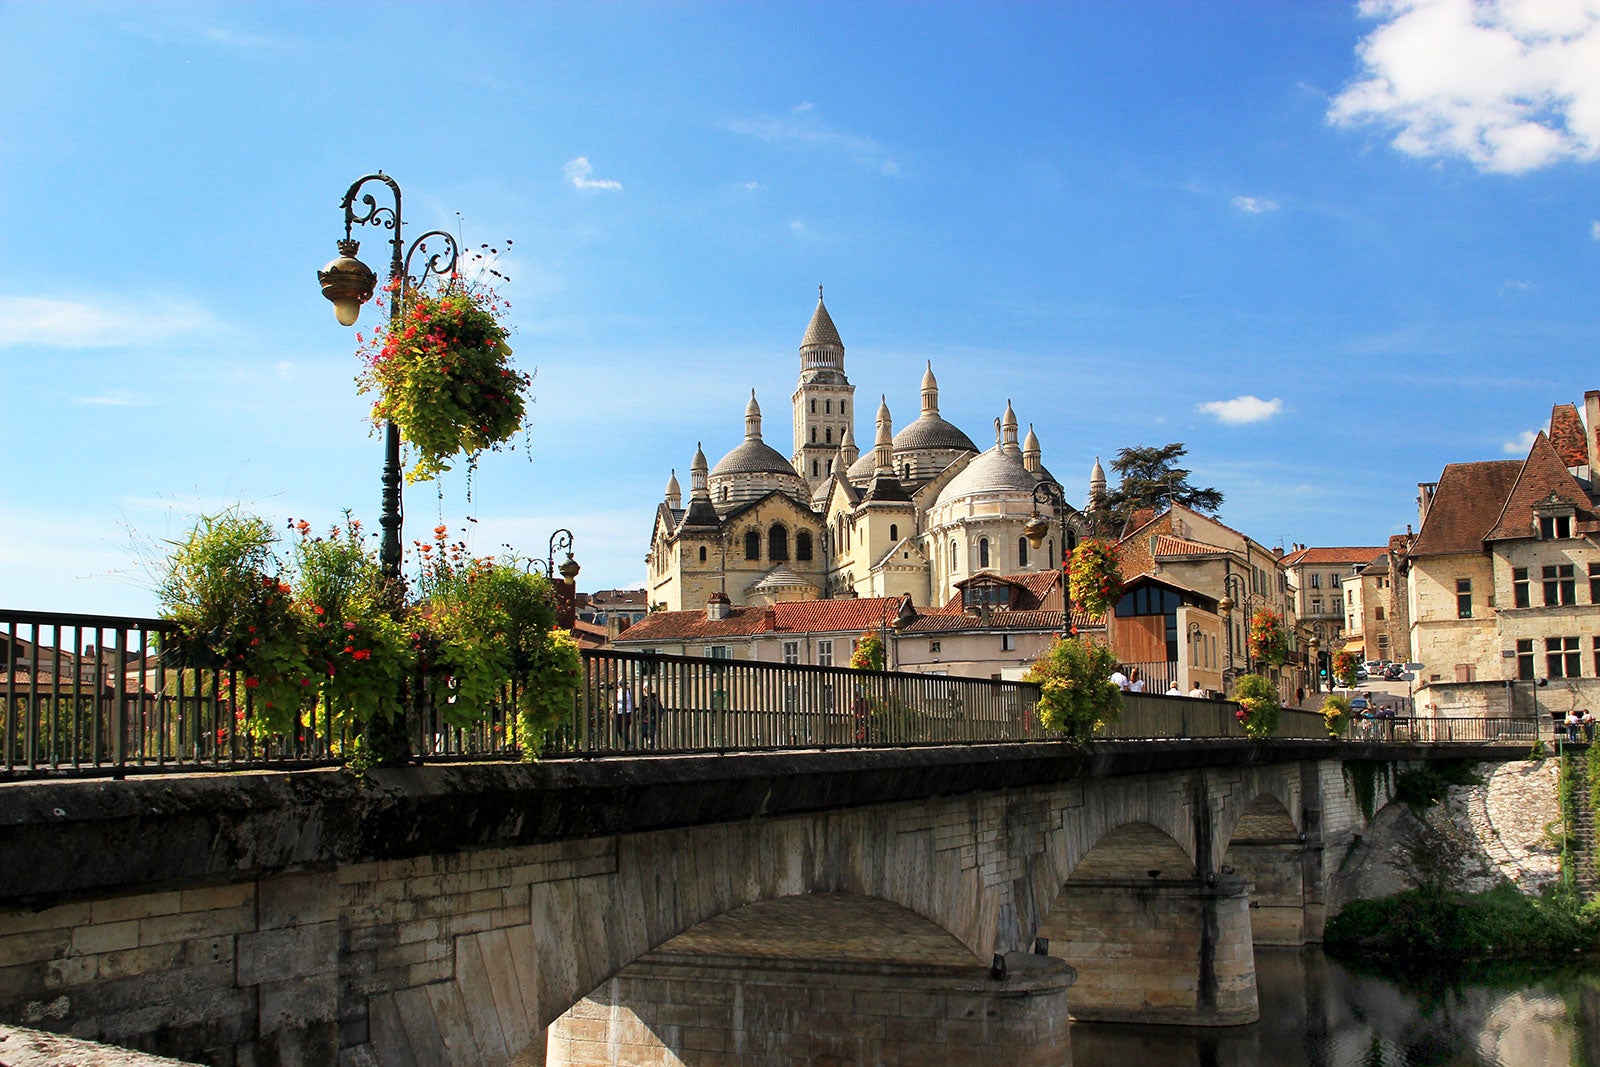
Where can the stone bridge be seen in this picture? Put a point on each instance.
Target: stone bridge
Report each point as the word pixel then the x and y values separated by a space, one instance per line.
pixel 894 906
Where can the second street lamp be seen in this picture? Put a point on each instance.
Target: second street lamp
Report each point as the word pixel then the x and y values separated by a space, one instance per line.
pixel 1037 529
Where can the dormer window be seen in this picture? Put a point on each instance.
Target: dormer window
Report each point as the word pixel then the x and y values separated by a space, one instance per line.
pixel 1555 527
pixel 995 596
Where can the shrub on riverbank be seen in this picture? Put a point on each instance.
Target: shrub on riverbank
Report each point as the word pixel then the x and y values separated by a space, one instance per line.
pixel 1499 924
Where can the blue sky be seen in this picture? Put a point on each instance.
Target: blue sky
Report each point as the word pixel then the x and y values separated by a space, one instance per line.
pixel 1330 248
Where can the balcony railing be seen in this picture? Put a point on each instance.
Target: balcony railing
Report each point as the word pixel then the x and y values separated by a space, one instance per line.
pixel 92 695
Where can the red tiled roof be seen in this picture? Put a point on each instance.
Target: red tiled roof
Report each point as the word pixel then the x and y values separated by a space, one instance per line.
pixel 1543 475
pixel 999 619
pixel 1566 435
pixel 1037 585
pixel 1466 505
pixel 1168 545
pixel 1323 556
pixel 806 616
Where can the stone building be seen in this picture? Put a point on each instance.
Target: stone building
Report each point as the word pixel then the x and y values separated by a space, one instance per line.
pixel 918 513
pixel 1503 578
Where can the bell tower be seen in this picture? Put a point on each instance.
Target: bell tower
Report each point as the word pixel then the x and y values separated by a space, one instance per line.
pixel 824 400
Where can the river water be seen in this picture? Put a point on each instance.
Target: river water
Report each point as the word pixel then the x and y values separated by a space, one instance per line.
pixel 1318 1012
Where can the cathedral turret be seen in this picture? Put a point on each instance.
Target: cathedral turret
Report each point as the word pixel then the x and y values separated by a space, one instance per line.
pixel 848 452
pixel 822 398
pixel 1008 426
pixel 930 392
pixel 701 512
pixel 1097 486
pixel 699 471
pixel 752 419
pixel 1030 452
pixel 674 492
pixel 883 446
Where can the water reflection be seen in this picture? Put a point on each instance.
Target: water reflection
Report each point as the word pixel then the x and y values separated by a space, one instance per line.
pixel 1316 1012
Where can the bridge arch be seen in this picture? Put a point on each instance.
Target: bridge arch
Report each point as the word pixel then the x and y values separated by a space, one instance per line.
pixel 823 977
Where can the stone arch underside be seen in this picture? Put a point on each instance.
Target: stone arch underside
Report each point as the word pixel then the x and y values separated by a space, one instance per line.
pixel 820 978
pixel 1267 851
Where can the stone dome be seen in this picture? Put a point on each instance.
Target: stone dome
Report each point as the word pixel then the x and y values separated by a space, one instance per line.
pixel 752 457
pixel 994 471
pixel 931 431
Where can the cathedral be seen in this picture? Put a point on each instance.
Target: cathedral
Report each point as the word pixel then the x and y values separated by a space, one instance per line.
pixel 921 511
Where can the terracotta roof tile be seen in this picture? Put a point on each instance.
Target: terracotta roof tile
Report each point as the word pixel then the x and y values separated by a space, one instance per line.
pixel 1466 505
pixel 1325 556
pixel 1543 475
pixel 1167 545
pixel 807 616
pixel 1566 435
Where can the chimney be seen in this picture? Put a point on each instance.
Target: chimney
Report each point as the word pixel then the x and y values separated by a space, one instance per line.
pixel 718 607
pixel 1425 491
pixel 769 621
pixel 1591 426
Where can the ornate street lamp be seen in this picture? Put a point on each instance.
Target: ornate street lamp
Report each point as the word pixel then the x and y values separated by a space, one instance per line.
pixel 348 283
pixel 1037 529
pixel 1225 606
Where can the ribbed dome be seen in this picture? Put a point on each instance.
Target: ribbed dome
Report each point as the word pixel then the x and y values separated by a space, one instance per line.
pixel 930 431
pixel 779 577
pixel 753 456
pixel 993 471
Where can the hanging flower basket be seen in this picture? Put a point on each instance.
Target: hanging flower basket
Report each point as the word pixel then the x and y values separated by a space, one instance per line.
pixel 441 374
pixel 1094 576
pixel 1269 641
pixel 1259 709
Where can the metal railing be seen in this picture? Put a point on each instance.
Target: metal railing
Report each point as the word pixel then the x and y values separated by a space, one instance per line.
pixel 93 695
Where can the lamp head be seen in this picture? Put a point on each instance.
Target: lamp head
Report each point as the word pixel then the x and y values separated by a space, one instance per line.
pixel 1225 605
pixel 1035 530
pixel 569 569
pixel 347 283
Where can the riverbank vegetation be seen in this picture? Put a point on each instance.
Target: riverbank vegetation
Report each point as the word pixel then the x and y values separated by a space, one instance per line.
pixel 1436 923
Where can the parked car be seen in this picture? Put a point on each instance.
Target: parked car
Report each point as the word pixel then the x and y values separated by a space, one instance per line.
pixel 1372 666
pixel 1394 672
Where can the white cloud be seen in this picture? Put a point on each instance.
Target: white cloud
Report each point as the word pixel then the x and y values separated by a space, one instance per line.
pixel 800 127
pixel 1513 285
pixel 1241 409
pixel 578 171
pixel 1254 205
pixel 1520 445
pixel 114 399
pixel 1508 85
pixel 1594 230
pixel 31 320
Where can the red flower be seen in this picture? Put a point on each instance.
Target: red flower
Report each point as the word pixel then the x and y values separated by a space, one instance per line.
pixel 251 683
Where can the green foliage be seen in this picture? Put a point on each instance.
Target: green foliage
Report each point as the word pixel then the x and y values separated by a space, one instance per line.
pixel 441 372
pixel 482 626
pixel 1336 714
pixel 1149 477
pixel 359 655
pixel 1363 777
pixel 1437 924
pixel 223 588
pixel 1537 751
pixel 1345 664
pixel 553 674
pixel 1269 639
pixel 1567 802
pixel 1425 786
pixel 869 654
pixel 1259 710
pixel 1094 576
pixel 1077 696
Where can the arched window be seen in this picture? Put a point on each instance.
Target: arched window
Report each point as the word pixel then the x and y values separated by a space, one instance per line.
pixel 813 405
pixel 827 407
pixel 955 560
pixel 813 435
pixel 802 546
pixel 1022 551
pixel 842 411
pixel 829 434
pixel 814 468
pixel 983 552
pixel 702 553
pixel 777 544
pixel 894 532
pixel 752 544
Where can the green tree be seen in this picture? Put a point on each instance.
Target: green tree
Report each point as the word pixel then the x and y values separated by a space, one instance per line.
pixel 1149 477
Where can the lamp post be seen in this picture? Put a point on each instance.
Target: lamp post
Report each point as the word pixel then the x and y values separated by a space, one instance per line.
pixel 349 283
pixel 1225 606
pixel 1072 523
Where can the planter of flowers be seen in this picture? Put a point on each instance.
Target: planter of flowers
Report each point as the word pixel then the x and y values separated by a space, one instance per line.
pixel 1094 576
